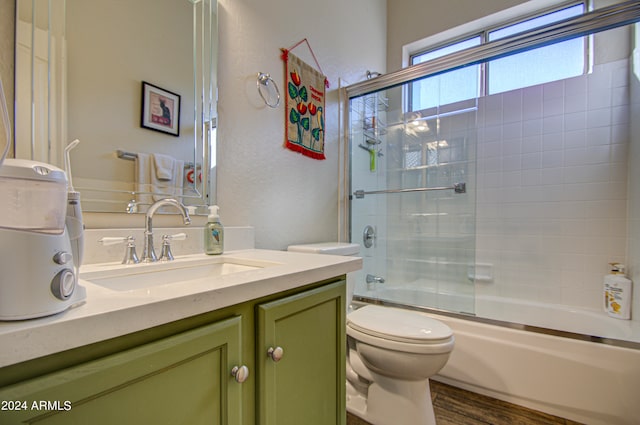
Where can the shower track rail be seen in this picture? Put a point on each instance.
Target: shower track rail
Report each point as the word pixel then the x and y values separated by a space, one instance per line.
pixel 457 188
pixel 591 22
pixel 363 300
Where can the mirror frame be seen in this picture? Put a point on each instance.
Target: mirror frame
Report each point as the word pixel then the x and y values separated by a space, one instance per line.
pixel 201 192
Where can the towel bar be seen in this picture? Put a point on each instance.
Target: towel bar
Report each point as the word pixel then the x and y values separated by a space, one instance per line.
pixel 131 156
pixel 457 188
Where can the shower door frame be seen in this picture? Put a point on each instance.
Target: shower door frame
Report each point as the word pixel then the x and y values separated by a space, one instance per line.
pixel 599 20
pixel 589 23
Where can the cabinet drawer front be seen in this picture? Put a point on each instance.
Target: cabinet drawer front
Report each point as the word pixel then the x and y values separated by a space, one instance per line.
pixel 307 385
pixel 182 379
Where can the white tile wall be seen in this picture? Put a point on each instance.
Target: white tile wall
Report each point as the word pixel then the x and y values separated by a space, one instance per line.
pixel 552 188
pixel 425 241
pixel 372 209
pixel 550 198
pixel 632 151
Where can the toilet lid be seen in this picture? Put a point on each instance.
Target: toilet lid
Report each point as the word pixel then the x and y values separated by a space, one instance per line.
pixel 398 325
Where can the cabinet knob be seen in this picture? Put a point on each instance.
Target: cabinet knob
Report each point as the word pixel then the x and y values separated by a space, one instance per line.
pixel 240 373
pixel 275 354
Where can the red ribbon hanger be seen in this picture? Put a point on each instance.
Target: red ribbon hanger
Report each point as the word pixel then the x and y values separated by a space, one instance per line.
pixel 285 56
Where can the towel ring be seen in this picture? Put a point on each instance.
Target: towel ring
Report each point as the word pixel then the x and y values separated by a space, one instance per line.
pixel 263 83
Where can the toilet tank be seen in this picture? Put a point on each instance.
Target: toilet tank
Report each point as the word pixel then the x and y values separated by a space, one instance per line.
pixel 333 248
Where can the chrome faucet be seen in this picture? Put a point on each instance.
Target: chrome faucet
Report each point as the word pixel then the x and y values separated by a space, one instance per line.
pixel 371 279
pixel 149 255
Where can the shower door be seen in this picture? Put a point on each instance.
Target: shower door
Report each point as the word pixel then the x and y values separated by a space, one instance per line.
pixel 412 199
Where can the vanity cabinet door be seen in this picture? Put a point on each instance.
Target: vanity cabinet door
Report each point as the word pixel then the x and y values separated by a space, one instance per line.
pixel 182 379
pixel 304 382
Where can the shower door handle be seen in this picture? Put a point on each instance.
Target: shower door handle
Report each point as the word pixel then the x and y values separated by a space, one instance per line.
pixel 457 188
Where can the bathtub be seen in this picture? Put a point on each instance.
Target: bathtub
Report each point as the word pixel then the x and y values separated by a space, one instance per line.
pixel 592 380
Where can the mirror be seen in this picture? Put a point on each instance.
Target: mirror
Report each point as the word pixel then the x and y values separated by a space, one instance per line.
pixel 135 82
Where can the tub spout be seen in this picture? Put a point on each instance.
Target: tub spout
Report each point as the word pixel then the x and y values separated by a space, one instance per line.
pixel 374 279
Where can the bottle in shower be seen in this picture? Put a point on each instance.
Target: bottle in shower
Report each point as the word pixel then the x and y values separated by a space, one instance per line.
pixel 617 293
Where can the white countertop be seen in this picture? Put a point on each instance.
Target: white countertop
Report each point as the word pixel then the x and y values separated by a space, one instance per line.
pixel 109 313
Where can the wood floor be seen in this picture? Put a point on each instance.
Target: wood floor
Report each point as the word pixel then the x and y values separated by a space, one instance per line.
pixel 454 406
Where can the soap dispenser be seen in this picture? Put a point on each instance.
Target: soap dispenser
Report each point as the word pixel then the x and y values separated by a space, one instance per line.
pixel 617 293
pixel 213 233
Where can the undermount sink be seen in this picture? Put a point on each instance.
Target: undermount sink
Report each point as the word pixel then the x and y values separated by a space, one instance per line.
pixel 181 271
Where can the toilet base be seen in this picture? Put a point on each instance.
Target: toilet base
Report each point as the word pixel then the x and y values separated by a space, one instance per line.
pixel 392 402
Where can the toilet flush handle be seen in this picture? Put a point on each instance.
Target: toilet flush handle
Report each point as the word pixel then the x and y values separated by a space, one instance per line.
pixel 275 354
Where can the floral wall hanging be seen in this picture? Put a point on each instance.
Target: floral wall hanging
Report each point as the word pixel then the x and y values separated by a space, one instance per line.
pixel 305 102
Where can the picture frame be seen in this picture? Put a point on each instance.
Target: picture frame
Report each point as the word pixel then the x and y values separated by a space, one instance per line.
pixel 160 109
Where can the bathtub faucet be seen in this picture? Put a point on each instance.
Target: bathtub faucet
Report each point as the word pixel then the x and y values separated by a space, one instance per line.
pixel 374 279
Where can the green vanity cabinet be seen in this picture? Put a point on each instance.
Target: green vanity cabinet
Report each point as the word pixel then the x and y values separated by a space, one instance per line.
pixel 301 359
pixel 180 373
pixel 183 379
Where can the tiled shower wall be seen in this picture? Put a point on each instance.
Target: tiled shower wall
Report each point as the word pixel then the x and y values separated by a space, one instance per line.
pixel 552 187
pixel 372 209
pixel 425 240
pixel 546 208
pixel 634 175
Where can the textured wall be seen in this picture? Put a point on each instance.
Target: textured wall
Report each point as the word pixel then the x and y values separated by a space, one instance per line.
pixel 411 20
pixel 287 197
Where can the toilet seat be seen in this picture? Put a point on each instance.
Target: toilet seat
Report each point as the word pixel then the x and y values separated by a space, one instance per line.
pixel 398 325
pixel 399 330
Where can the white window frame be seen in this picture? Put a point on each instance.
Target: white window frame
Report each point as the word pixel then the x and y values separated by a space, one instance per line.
pixel 482 27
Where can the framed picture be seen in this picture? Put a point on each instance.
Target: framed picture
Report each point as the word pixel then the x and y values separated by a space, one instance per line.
pixel 160 109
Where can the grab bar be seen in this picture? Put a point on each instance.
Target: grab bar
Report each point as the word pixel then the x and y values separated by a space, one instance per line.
pixel 457 188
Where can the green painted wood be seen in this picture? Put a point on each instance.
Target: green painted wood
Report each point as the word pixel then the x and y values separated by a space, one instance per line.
pixel 35 378
pixel 34 368
pixel 182 379
pixel 307 386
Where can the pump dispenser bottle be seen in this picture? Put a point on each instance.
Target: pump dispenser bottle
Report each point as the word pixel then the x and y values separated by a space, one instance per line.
pixel 213 233
pixel 617 293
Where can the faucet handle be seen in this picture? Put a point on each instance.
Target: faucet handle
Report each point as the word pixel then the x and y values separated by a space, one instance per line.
pixel 130 256
pixel 166 254
pixel 176 237
pixel 108 240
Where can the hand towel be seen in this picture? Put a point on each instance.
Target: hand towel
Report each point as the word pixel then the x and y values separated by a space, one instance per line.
pixel 172 187
pixel 149 187
pixel 164 166
pixel 143 178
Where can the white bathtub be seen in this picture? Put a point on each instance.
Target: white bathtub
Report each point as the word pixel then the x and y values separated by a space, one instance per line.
pixel 588 382
pixel 558 317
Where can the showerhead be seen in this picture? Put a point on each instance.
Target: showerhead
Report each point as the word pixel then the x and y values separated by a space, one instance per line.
pixel 372 74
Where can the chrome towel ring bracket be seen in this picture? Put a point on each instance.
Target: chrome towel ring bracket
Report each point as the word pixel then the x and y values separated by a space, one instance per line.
pixel 268 90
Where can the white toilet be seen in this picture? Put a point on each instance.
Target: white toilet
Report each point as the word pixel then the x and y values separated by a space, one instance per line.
pixel 391 354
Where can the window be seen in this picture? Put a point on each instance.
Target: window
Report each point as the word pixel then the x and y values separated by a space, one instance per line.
pixel 504 74
pixel 460 84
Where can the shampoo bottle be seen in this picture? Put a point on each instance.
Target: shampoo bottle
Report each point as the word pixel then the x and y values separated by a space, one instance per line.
pixel 617 293
pixel 213 233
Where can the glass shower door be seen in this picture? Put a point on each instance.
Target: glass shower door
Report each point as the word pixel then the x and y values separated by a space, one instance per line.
pixel 412 200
